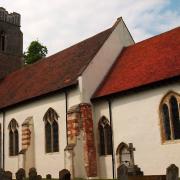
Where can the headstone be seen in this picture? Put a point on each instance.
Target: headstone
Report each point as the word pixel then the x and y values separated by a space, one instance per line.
pixel 131 151
pixel 32 174
pixel 48 176
pixel 20 174
pixel 39 177
pixel 2 173
pixel 134 171
pixel 64 175
pixel 172 172
pixel 8 175
pixel 122 172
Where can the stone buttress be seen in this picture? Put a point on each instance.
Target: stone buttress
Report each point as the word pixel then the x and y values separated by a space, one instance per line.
pixel 80 150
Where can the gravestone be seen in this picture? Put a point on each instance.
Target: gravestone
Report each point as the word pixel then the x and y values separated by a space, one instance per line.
pixel 172 172
pixel 39 177
pixel 32 174
pixel 122 172
pixel 2 173
pixel 20 174
pixel 48 176
pixel 64 175
pixel 8 175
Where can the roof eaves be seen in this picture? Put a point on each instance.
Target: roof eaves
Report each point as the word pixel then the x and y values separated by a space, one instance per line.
pixel 21 101
pixel 176 77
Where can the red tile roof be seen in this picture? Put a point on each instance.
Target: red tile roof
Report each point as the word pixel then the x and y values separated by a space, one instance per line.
pixel 146 62
pixel 52 73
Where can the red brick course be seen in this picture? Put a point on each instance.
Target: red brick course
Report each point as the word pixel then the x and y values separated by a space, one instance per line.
pixel 88 140
pixel 80 119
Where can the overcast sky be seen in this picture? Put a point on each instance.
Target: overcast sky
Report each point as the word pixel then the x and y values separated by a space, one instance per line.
pixel 58 24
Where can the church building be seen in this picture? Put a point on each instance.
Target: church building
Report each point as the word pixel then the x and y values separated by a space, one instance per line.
pixel 101 103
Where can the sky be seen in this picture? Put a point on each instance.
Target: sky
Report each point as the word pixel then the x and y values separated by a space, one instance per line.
pixel 58 24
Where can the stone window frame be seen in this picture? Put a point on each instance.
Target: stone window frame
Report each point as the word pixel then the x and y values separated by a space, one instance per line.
pixel 51 117
pixel 105 131
pixel 166 102
pixel 14 142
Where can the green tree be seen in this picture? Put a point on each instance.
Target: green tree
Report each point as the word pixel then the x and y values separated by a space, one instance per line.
pixel 35 52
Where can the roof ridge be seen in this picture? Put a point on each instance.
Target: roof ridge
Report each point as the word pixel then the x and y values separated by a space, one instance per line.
pixel 79 42
pixel 155 36
pixel 111 28
pixel 27 66
pixel 55 72
pixel 49 57
pixel 143 63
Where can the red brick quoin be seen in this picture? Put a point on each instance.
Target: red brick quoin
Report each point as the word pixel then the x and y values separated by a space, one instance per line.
pixel 80 119
pixel 88 140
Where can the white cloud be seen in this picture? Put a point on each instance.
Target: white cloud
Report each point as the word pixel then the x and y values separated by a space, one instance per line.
pixel 61 23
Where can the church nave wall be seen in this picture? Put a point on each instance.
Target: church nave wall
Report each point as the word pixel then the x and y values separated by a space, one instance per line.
pixel 136 119
pixel 104 162
pixel 44 162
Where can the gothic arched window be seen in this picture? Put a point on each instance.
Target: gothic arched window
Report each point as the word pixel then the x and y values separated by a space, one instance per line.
pixel 2 41
pixel 13 138
pixel 105 136
pixel 170 115
pixel 51 131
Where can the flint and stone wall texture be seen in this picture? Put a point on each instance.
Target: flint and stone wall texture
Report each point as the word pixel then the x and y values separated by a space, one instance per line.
pixel 13 39
pixel 11 54
pixel 10 26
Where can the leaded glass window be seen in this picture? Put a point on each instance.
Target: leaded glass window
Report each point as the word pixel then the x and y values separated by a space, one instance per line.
pixel 166 121
pixel 13 138
pixel 105 137
pixel 51 131
pixel 170 113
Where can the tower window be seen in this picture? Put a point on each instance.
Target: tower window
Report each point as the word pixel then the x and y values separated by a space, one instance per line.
pixel 13 138
pixel 170 115
pixel 2 41
pixel 51 131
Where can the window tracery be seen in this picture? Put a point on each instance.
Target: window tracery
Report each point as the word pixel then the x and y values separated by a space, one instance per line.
pixel 51 131
pixel 13 138
pixel 105 136
pixel 170 116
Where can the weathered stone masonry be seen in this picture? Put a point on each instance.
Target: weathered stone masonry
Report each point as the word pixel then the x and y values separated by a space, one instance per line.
pixel 80 119
pixel 88 139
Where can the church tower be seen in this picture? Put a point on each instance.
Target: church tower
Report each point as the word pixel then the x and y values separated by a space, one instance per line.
pixel 11 42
